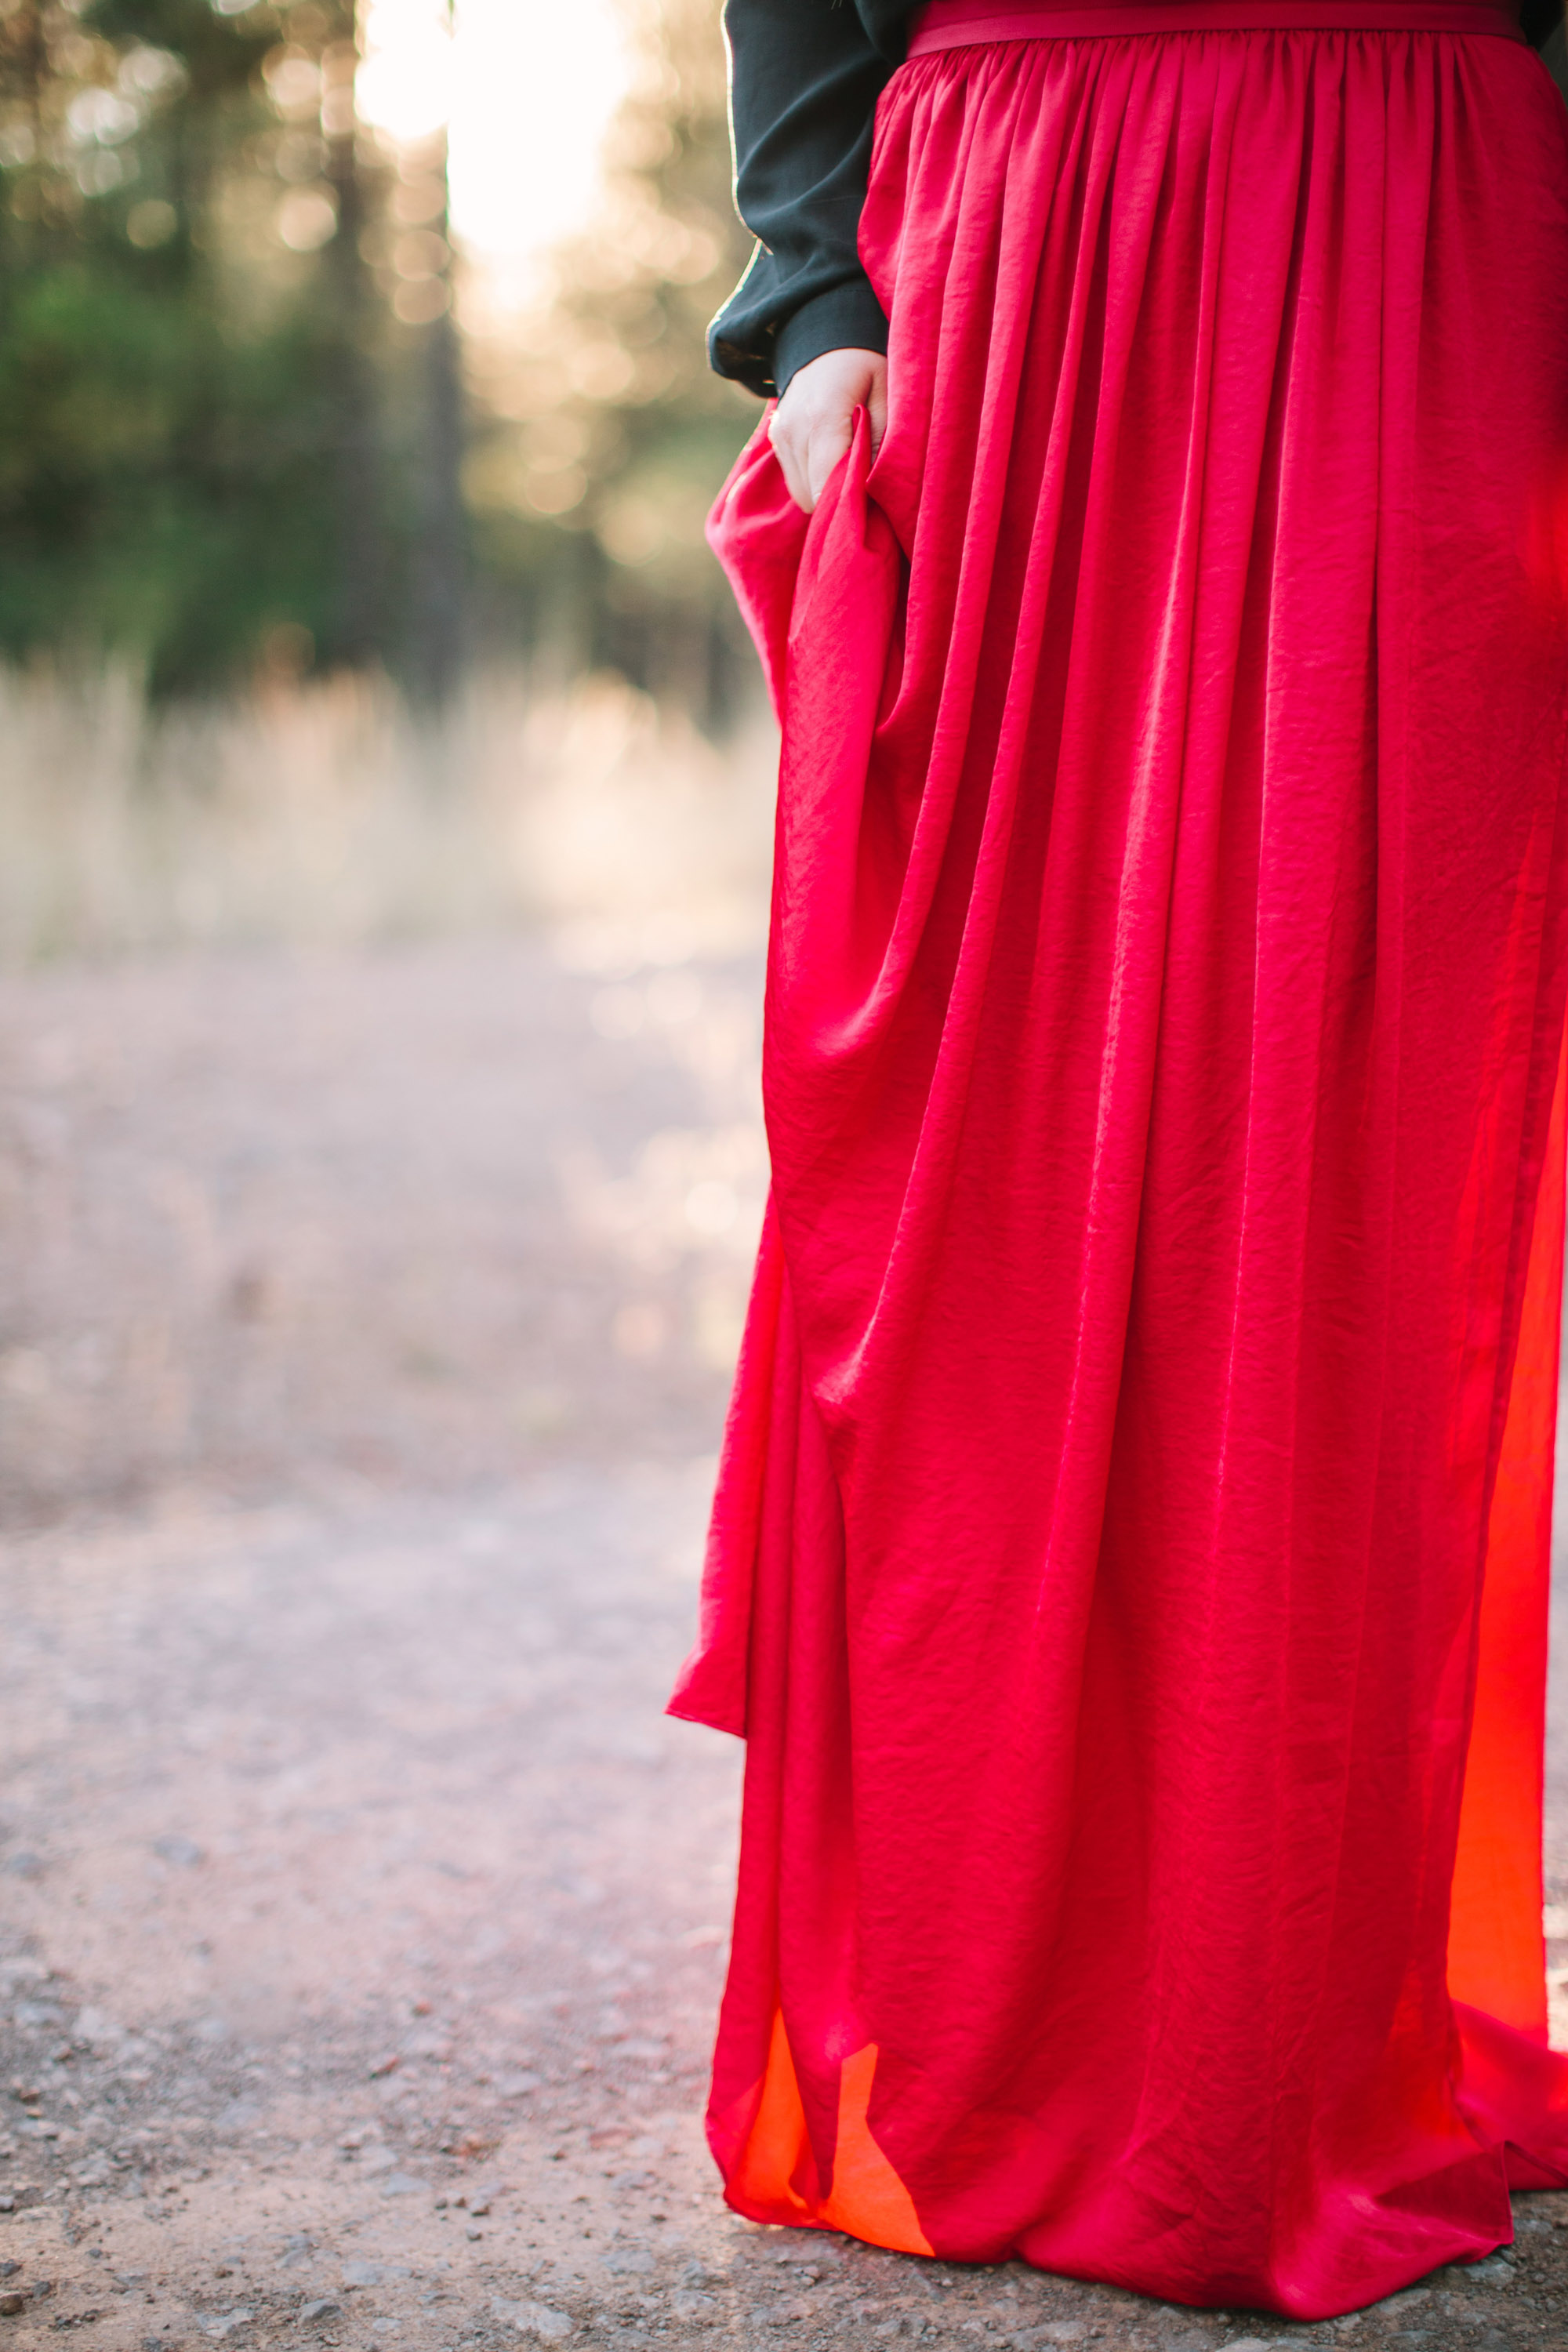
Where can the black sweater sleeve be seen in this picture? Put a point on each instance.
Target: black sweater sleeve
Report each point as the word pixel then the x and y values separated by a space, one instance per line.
pixel 804 78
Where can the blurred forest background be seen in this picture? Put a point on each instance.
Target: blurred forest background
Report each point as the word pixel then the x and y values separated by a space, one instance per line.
pixel 304 517
pixel 385 779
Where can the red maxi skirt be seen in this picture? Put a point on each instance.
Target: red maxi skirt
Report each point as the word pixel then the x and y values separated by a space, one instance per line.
pixel 1129 1565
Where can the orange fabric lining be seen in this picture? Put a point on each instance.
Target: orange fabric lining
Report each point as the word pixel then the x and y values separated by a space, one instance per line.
pixel 868 2199
pixel 1496 1957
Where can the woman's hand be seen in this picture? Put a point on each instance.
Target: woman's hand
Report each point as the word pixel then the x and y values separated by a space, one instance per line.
pixel 812 424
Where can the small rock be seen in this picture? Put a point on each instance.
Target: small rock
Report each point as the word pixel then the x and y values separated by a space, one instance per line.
pixel 12 2302
pixel 535 2319
pixel 1493 2271
pixel 373 2274
pixel 95 2026
pixel 473 2236
pixel 405 2184
pixel 622 2259
pixel 9 2270
pixel 323 2307
pixel 184 1852
pixel 685 2303
pixel 225 2323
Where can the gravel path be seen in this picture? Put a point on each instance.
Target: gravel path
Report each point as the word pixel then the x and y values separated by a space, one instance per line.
pixel 362 1917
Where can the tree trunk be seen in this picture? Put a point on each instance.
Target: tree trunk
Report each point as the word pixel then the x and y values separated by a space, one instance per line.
pixel 438 586
pixel 359 632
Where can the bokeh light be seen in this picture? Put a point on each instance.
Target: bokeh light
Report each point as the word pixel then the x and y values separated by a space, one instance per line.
pixel 525 88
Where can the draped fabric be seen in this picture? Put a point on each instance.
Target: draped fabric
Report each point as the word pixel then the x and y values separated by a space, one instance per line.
pixel 1128 1561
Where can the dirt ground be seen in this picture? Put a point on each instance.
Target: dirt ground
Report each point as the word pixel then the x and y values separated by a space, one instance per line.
pixel 366 1321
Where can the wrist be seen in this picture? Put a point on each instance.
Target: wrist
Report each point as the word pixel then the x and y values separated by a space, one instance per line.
pixel 845 318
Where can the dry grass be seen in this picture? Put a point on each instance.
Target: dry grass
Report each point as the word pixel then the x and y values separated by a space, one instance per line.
pixel 327 813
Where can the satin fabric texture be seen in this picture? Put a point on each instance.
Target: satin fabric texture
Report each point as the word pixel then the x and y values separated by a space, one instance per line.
pixel 1129 1563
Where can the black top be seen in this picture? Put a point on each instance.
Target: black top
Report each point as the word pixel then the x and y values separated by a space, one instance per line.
pixel 806 76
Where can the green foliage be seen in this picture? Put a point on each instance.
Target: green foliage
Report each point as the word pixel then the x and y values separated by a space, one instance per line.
pixel 164 490
pixel 171 395
pixel 222 434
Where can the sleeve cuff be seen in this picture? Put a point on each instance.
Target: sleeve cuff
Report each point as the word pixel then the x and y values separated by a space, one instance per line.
pixel 844 318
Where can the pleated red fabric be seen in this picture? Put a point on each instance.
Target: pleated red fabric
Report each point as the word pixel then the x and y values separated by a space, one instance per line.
pixel 1129 1564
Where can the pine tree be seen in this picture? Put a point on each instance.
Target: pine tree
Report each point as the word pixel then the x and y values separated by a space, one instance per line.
pixel 603 422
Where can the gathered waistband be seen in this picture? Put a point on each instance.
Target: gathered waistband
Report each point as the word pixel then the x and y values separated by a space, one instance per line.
pixel 960 24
